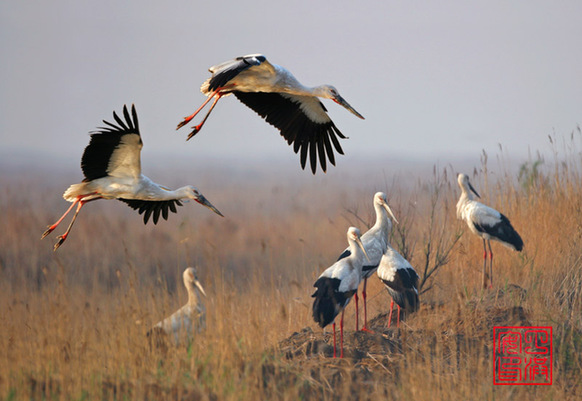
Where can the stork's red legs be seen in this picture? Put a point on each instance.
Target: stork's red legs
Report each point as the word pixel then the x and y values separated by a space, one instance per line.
pixel 191 116
pixel 61 238
pixel 197 128
pixel 50 229
pixel 398 317
pixel 334 339
pixel 485 264
pixel 342 336
pixel 490 265
pixel 217 94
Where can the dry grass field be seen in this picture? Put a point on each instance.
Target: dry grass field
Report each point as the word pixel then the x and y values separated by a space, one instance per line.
pixel 73 323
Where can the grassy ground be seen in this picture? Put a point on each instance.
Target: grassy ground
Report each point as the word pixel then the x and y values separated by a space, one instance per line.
pixel 74 321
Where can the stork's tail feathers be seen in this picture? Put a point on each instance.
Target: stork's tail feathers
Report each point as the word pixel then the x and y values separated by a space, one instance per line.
pixel 407 300
pixel 204 88
pixel 508 236
pixel 74 191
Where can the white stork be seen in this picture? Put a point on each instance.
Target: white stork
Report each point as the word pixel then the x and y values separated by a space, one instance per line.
pixel 336 286
pixel 487 223
pixel 375 241
pixel 112 169
pixel 189 317
pixel 400 280
pixel 277 96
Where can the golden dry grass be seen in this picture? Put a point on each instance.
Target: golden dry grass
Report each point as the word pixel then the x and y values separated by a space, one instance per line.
pixel 74 322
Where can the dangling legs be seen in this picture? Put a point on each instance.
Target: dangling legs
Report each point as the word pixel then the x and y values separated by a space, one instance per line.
pixel 51 228
pixel 191 116
pixel 80 201
pixel 197 128
pixel 63 237
pixel 390 317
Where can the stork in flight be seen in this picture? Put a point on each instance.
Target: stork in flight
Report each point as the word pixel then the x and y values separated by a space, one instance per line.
pixel 277 96
pixel 189 317
pixel 112 169
pixel 375 241
pixel 336 286
pixel 400 280
pixel 487 223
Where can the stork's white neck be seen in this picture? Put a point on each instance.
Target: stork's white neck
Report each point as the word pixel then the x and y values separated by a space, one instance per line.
pixel 466 196
pixel 383 222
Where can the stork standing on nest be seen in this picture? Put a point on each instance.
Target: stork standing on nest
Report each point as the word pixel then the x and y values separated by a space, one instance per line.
pixel 336 286
pixel 190 317
pixel 375 241
pixel 487 223
pixel 112 168
pixel 277 96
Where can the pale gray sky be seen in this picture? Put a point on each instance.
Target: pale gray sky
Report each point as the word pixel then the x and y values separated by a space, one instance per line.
pixel 434 80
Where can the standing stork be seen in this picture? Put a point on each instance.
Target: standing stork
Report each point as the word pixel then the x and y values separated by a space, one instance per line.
pixel 400 280
pixel 189 317
pixel 375 241
pixel 112 169
pixel 336 286
pixel 487 223
pixel 277 96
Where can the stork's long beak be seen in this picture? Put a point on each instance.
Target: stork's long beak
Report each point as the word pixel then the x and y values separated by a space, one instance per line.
pixel 341 101
pixel 390 212
pixel 205 202
pixel 197 283
pixel 473 189
pixel 359 242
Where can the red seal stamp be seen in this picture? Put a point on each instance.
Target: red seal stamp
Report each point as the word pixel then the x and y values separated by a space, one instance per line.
pixel 522 355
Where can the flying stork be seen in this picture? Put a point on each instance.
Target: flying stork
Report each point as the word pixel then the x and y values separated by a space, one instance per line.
pixel 278 97
pixel 336 286
pixel 112 169
pixel 189 317
pixel 375 241
pixel 400 280
pixel 487 223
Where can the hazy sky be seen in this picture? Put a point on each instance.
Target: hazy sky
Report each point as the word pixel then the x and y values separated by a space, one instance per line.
pixel 433 79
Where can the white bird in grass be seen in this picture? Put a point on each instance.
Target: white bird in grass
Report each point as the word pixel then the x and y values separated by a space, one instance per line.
pixel 375 241
pixel 277 96
pixel 487 223
pixel 190 317
pixel 336 286
pixel 400 280
pixel 112 169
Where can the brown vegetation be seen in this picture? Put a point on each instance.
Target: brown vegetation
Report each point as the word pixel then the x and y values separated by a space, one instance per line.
pixel 73 323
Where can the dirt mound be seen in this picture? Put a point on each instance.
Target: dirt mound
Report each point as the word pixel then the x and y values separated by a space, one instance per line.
pixel 370 357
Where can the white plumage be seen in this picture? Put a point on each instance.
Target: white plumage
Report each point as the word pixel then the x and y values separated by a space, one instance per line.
pixel 337 284
pixel 375 241
pixel 487 223
pixel 401 281
pixel 112 169
pixel 190 318
pixel 277 96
